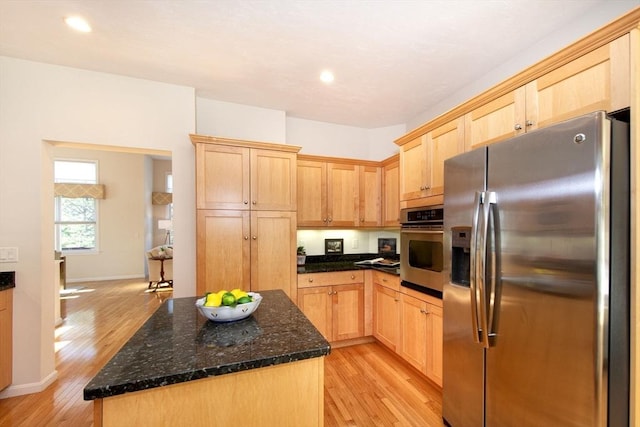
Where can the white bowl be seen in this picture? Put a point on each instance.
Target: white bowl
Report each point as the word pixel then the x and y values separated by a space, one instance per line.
pixel 228 313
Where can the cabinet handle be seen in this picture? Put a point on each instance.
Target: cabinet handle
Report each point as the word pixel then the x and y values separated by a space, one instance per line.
pixel 421 187
pixel 324 219
pixel 310 279
pixel 254 237
pixel 528 123
pixel 396 299
pixel 253 202
pixel 384 280
pixel 329 293
pixel 353 277
pixel 361 219
pixel 246 202
pixel 518 126
pixel 427 187
pixel 330 219
pixel 246 237
pixel 423 311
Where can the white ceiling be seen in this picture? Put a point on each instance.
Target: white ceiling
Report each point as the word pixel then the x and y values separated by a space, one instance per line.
pixel 391 59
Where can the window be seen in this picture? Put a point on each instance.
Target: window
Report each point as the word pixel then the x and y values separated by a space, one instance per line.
pixel 76 218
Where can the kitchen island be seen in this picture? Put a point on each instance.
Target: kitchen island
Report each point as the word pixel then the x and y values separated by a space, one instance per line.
pixel 181 369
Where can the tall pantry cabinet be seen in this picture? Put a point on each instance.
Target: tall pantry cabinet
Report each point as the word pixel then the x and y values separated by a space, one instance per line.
pixel 246 215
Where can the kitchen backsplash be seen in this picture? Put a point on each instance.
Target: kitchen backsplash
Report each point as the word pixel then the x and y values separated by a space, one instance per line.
pixel 353 241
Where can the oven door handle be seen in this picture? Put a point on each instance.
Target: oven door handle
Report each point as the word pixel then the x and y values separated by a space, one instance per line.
pixel 473 277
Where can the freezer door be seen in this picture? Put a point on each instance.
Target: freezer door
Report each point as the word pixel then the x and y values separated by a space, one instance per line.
pixel 546 365
pixel 463 359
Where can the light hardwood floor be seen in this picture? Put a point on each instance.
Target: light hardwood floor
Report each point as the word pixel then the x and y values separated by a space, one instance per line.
pixel 365 385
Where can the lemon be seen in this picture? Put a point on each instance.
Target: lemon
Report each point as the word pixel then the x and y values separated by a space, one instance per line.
pixel 228 299
pixel 221 292
pixel 239 293
pixel 212 300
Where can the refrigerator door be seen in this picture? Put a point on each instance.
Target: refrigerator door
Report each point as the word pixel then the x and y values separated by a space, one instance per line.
pixel 546 365
pixel 463 359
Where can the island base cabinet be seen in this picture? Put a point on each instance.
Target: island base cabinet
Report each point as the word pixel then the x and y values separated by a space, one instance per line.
pixel 290 394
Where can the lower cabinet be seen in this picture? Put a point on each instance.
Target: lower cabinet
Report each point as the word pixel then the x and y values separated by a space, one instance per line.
pixel 6 337
pixel 409 323
pixel 386 315
pixel 336 310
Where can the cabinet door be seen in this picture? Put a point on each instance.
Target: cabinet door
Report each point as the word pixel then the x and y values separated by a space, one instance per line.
pixel 273 251
pixel 370 195
pixel 6 338
pixel 348 311
pixel 273 180
pixel 312 193
pixel 434 344
pixel 223 250
pixel 391 195
pixel 342 194
pixel 222 177
pixel 316 304
pixel 599 80
pixel 386 316
pixel 413 166
pixel 413 343
pixel 443 142
pixel 496 120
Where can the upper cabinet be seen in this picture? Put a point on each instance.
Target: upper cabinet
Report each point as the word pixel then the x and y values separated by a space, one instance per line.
pixel 250 176
pixel 391 191
pixel 338 192
pixel 422 163
pixel 597 80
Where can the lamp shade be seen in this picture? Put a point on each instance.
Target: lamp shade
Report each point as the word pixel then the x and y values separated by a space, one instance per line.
pixel 165 224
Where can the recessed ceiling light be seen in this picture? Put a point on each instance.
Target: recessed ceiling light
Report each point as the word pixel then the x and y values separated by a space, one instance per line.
pixel 78 23
pixel 326 76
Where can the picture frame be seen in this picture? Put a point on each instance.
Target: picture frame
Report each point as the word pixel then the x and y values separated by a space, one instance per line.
pixel 387 246
pixel 333 246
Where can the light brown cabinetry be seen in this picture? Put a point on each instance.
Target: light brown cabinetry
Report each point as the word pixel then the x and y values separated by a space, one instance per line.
pixel 334 303
pixel 338 193
pixel 6 338
pixel 386 309
pixel 422 163
pixel 239 177
pixel 421 337
pixel 597 80
pixel 246 249
pixel 391 192
pixel 246 215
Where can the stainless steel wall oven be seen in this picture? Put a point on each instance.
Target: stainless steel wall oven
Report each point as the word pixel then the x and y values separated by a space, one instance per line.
pixel 421 249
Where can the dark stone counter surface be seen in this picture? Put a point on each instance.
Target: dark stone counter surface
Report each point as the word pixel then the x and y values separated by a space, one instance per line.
pixel 329 263
pixel 7 280
pixel 177 344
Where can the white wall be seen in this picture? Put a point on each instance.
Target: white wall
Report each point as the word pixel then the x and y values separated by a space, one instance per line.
pixel 44 102
pixel 355 241
pixel 229 120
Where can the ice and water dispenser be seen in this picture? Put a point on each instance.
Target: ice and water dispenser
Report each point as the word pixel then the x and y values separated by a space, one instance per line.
pixel 460 255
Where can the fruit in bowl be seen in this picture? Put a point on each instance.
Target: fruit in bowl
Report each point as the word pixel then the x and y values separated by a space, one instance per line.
pixel 227 306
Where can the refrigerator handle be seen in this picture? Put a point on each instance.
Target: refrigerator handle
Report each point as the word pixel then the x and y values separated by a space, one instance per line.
pixel 488 296
pixel 473 285
pixel 482 278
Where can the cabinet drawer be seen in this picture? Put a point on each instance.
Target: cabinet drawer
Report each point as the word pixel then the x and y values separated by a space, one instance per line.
pixel 311 280
pixel 387 280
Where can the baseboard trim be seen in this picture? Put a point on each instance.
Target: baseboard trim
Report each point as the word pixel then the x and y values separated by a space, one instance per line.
pixel 99 279
pixel 30 388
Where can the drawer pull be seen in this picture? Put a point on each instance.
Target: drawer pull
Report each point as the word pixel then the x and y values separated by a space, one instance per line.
pixel 310 279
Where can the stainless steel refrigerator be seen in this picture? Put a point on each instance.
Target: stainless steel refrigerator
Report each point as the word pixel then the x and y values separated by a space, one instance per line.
pixel 536 305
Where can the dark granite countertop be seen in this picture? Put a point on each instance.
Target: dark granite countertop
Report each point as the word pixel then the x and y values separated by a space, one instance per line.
pixel 330 263
pixel 177 344
pixel 7 280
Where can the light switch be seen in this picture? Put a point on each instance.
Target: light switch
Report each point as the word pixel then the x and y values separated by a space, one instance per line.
pixel 9 254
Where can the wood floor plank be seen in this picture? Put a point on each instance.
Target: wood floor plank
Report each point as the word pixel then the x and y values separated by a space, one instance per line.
pixel 365 385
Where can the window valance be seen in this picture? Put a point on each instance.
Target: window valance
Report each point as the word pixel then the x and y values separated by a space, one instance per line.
pixel 158 198
pixel 65 189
